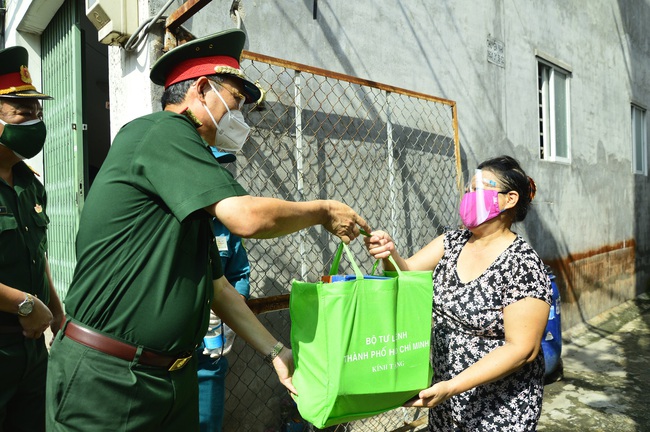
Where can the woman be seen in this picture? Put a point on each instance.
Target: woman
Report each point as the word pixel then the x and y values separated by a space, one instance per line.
pixel 491 304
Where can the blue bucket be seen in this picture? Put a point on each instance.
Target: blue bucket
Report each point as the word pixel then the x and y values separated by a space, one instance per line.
pixel 552 340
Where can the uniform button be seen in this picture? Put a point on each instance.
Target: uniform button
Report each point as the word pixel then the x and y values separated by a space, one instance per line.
pixel 26 228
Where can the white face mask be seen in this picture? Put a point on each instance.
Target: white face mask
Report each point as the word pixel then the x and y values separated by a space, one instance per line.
pixel 232 129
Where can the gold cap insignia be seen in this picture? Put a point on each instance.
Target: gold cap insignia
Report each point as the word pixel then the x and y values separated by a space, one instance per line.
pixel 24 75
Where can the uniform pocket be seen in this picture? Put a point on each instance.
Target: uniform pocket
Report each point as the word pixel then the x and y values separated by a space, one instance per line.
pixel 7 222
pixel 40 223
pixel 80 383
pixel 41 220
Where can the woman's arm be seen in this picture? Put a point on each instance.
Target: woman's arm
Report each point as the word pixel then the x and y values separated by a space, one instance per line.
pixel 261 217
pixel 381 245
pixel 524 322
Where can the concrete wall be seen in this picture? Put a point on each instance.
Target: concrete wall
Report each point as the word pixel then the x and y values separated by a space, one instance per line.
pixel 131 92
pixel 590 216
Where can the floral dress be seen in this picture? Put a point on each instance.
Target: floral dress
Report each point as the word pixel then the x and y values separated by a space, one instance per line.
pixel 468 324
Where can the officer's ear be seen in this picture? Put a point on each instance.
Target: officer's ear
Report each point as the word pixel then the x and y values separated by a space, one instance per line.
pixel 202 87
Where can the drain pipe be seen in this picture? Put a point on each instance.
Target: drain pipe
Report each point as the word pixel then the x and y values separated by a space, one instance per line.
pixel 3 13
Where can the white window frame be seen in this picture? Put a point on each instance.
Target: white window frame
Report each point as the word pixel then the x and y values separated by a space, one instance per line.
pixel 548 121
pixel 639 143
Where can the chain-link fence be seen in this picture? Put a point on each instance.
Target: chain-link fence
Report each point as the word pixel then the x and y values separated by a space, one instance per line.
pixel 391 154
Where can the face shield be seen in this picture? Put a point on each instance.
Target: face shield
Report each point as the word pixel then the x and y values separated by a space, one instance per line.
pixel 479 205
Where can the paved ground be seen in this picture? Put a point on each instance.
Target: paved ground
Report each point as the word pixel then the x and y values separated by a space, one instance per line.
pixel 606 384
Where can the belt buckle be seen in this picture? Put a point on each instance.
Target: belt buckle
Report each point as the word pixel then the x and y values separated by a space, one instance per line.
pixel 179 363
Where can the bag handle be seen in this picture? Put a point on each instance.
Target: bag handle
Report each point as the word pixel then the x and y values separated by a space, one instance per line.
pixel 392 261
pixel 337 260
pixel 390 258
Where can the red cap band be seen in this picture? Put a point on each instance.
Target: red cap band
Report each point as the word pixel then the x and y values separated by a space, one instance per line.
pixel 196 67
pixel 12 82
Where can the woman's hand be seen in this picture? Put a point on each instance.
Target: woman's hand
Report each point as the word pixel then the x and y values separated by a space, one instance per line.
pixel 434 395
pixel 379 244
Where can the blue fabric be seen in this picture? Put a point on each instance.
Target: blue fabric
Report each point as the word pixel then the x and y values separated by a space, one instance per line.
pixel 212 372
pixel 234 260
pixel 221 156
pixel 212 379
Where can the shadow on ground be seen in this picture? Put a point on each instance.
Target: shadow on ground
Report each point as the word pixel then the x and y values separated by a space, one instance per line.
pixel 606 384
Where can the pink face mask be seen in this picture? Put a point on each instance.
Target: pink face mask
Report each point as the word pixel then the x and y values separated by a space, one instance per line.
pixel 478 207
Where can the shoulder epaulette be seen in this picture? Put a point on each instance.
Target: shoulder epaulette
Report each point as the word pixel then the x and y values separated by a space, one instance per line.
pixel 33 170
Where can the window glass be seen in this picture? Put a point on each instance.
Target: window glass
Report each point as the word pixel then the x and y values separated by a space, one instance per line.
pixel 553 108
pixel 561 115
pixel 639 143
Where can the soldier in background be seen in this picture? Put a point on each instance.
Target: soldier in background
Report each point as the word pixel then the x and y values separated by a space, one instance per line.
pixel 28 302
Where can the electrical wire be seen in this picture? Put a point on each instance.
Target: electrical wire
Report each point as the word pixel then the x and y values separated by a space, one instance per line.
pixel 136 38
pixel 236 12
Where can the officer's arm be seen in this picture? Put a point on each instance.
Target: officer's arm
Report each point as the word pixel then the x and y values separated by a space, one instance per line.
pixel 54 305
pixel 262 217
pixel 10 298
pixel 232 309
pixel 33 324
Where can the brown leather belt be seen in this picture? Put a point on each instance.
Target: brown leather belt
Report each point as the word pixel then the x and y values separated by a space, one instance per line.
pixel 123 350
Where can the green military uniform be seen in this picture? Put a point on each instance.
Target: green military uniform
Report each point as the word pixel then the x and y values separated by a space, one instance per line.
pixel 146 260
pixel 23 243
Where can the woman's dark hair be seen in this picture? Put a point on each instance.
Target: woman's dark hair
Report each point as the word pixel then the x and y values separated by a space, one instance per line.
pixel 513 178
pixel 175 93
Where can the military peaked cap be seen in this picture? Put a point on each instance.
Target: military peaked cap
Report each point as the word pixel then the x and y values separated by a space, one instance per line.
pixel 218 53
pixel 15 80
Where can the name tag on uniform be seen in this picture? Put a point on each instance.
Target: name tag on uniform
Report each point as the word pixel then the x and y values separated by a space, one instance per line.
pixel 222 243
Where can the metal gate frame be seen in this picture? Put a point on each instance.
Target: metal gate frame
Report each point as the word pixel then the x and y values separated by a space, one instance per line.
pixel 391 153
pixel 63 156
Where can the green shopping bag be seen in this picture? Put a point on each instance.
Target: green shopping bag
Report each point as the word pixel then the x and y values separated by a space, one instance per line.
pixel 361 346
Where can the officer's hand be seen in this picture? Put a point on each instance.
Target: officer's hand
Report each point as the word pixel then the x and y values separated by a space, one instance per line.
pixel 344 222
pixel 57 322
pixel 36 322
pixel 58 317
pixel 283 365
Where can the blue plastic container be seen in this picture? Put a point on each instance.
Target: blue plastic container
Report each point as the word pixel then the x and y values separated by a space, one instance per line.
pixel 214 338
pixel 552 340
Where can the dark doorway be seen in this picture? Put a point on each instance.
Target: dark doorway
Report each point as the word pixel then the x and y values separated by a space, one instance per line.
pixel 96 108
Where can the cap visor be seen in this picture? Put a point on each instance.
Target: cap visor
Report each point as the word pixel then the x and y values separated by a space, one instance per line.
pixel 251 91
pixel 27 94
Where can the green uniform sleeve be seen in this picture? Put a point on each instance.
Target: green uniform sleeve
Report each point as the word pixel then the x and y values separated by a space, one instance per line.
pixel 178 166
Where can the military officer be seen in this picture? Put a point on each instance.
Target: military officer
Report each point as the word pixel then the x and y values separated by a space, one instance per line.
pixel 148 269
pixel 28 302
